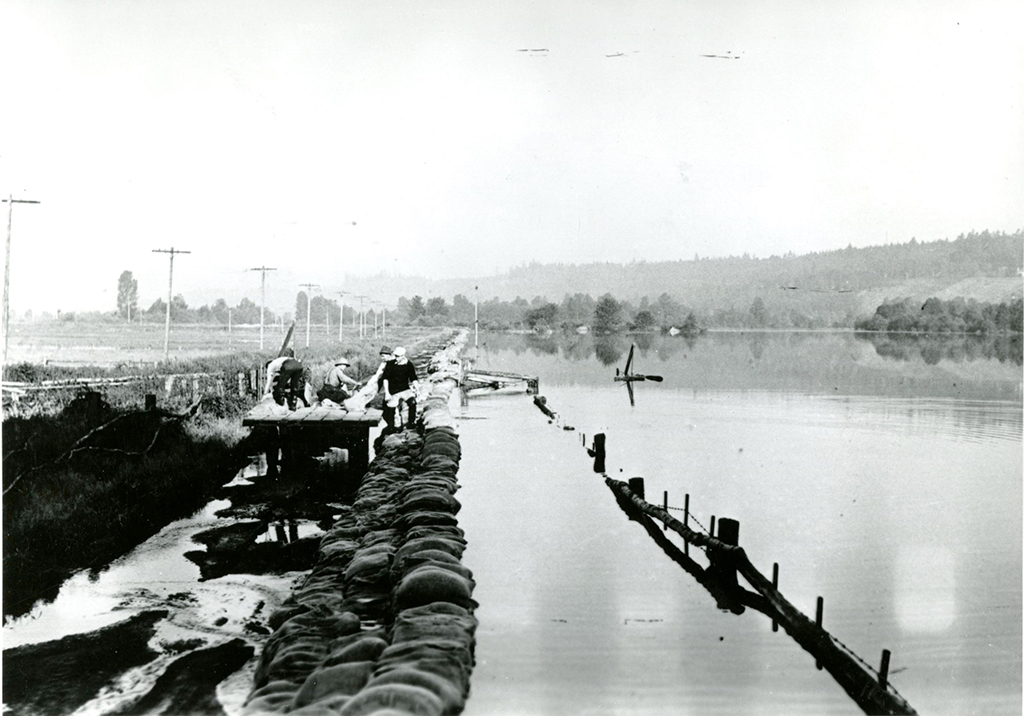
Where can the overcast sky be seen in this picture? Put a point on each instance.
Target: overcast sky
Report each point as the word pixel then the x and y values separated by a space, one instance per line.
pixel 461 138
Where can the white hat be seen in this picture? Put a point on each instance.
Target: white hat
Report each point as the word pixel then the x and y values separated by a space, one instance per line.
pixel 400 351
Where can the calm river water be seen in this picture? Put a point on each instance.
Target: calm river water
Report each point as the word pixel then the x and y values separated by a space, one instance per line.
pixel 882 476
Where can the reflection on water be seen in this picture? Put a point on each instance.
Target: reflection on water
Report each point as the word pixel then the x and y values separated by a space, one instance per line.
pixel 809 363
pixel 934 349
pixel 890 488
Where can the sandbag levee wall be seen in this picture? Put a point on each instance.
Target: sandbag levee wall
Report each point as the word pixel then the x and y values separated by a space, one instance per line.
pixel 384 621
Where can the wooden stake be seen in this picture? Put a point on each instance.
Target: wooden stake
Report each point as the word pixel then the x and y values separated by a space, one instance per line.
pixel 817 621
pixel 636 486
pixel 775 586
pixel 665 525
pixel 883 670
pixel 686 522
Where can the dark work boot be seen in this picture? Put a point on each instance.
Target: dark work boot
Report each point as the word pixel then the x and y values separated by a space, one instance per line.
pixel 389 418
pixel 410 407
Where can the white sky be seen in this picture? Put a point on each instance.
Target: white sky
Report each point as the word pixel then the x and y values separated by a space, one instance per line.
pixel 334 136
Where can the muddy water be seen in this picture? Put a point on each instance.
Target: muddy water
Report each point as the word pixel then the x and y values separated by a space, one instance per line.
pixel 156 575
pixel 890 488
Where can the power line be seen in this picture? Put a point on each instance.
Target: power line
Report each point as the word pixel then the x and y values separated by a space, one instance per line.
pixel 170 283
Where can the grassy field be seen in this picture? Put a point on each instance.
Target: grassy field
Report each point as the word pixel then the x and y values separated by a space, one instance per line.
pixel 110 344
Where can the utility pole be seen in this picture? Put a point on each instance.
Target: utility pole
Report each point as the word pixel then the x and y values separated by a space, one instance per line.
pixel 11 201
pixel 341 316
pixel 361 316
pixel 263 296
pixel 476 319
pixel 309 299
pixel 170 284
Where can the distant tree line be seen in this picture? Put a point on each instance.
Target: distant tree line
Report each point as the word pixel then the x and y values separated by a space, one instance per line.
pixel 605 314
pixel 938 316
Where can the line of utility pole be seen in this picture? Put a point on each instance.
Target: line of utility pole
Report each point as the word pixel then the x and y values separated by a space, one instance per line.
pixel 309 300
pixel 170 285
pixel 11 201
pixel 263 296
pixel 362 317
pixel 341 316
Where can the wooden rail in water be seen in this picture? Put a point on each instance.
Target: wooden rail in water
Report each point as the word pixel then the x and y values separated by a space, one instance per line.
pixel 870 694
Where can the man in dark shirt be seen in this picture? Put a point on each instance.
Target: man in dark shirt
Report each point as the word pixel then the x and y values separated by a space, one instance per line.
pixel 284 379
pixel 399 381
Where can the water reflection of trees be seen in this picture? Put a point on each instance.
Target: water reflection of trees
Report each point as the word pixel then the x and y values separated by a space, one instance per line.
pixel 932 349
pixel 609 349
pixel 543 344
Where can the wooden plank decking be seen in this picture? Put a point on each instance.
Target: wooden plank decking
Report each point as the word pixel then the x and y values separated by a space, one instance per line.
pixel 270 414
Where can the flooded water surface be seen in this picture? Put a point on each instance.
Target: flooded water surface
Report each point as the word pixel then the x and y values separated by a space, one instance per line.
pixel 884 478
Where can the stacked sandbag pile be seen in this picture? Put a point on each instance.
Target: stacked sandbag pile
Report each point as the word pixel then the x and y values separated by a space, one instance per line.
pixel 384 624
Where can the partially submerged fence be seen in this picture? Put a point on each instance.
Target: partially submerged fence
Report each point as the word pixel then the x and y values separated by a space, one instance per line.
pixel 868 687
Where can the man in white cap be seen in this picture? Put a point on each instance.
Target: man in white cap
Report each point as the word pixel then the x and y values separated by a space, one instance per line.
pixel 338 386
pixel 399 381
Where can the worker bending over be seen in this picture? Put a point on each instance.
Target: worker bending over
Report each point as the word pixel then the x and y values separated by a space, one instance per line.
pixel 285 380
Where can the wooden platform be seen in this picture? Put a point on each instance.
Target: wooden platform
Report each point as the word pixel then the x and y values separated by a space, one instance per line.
pixel 307 432
pixel 273 414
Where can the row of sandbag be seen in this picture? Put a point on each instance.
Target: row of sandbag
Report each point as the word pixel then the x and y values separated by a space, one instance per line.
pixel 384 622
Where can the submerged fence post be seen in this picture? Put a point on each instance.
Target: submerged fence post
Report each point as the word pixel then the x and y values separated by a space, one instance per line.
pixel 883 670
pixel 729 531
pixel 818 613
pixel 775 586
pixel 636 486
pixel 599 453
pixel 686 522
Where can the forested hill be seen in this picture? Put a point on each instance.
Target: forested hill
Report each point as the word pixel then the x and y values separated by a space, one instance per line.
pixel 850 280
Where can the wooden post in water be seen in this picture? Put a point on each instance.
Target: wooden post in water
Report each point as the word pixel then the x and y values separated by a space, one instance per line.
pixel 599 454
pixel 883 670
pixel 775 586
pixel 686 522
pixel 729 531
pixel 818 613
pixel 636 486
